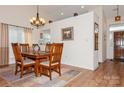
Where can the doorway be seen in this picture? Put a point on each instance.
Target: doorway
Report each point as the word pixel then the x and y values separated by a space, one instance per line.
pixel 119 46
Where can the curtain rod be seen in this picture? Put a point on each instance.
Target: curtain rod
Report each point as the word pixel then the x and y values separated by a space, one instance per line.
pixel 17 26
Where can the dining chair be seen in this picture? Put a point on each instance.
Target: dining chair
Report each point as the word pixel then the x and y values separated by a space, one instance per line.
pixel 35 47
pixel 24 47
pixel 54 62
pixel 24 64
pixel 47 49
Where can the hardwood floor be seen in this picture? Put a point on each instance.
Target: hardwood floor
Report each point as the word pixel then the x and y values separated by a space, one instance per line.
pixel 3 82
pixel 109 74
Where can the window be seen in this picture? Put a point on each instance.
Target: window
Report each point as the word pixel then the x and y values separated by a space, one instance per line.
pixel 16 35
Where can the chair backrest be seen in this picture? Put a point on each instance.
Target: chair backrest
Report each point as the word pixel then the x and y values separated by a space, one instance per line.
pixel 17 52
pixel 48 48
pixel 35 47
pixel 24 47
pixel 56 53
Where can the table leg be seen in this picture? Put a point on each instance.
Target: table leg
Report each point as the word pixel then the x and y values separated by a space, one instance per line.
pixel 37 68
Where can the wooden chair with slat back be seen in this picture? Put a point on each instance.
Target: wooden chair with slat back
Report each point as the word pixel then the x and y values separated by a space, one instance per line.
pixel 24 47
pixel 47 49
pixel 54 63
pixel 35 47
pixel 20 62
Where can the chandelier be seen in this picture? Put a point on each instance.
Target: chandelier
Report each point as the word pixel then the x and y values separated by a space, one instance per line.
pixel 117 18
pixel 37 21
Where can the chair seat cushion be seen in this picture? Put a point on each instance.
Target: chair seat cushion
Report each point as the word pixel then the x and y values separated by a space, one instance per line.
pixel 28 61
pixel 46 63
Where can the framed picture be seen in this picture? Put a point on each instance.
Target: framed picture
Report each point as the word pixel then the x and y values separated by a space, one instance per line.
pixel 96 31
pixel 67 33
pixel 41 35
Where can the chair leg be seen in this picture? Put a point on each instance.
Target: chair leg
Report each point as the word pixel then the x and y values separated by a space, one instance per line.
pixel 21 72
pixel 50 74
pixel 16 69
pixel 59 71
pixel 40 70
pixel 35 69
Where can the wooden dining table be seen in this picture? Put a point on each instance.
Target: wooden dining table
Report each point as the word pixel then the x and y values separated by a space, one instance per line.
pixel 37 57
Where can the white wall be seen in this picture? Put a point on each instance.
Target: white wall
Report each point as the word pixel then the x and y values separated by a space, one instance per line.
pixel 96 57
pixel 80 51
pixel 102 34
pixel 104 37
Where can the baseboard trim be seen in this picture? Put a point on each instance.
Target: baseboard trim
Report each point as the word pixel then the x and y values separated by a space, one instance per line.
pixel 2 66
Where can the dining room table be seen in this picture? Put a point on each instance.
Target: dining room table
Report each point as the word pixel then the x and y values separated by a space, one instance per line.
pixel 37 57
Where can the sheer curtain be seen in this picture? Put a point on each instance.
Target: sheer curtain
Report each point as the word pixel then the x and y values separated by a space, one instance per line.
pixel 4 44
pixel 16 35
pixel 28 35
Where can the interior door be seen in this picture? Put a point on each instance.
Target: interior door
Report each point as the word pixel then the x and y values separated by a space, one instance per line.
pixel 119 45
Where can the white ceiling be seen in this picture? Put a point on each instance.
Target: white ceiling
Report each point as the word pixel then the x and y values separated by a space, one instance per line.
pixel 110 11
pixel 53 12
